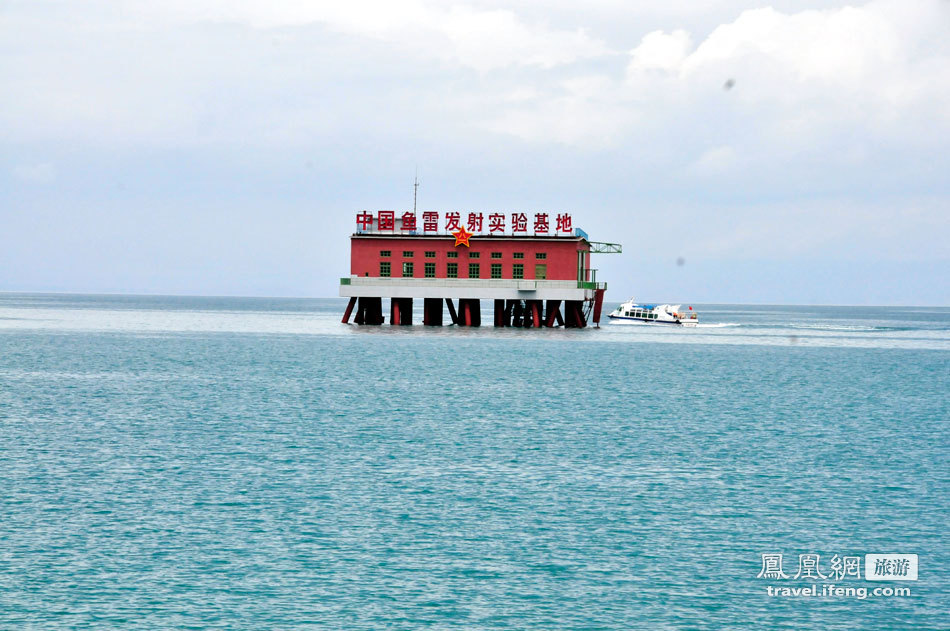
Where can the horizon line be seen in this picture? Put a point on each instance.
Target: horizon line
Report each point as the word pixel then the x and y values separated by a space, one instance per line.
pixel 264 297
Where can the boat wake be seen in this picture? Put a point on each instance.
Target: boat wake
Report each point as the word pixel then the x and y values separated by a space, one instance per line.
pixel 836 327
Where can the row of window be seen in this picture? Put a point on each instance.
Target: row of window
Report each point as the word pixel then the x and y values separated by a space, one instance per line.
pixel 452 270
pixel 430 254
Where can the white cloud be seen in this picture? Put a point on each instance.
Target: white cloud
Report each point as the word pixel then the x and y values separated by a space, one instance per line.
pixel 482 39
pixel 837 45
pixel 879 72
pixel 837 86
pixel 660 51
pixel 581 112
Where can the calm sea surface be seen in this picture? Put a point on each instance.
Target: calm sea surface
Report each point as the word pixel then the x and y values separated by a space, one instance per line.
pixel 254 464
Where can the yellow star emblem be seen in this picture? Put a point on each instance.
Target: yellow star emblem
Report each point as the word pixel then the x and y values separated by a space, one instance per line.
pixel 462 236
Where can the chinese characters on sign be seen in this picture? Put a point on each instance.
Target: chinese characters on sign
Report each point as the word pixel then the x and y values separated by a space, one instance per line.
pixel 476 223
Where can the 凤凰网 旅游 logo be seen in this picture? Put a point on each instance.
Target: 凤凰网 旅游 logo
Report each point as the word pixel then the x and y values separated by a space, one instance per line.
pixel 838 575
pixel 877 567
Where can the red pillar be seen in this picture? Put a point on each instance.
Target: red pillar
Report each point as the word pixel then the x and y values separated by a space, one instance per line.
pixel 574 314
pixel 536 312
pixel 581 322
pixel 394 318
pixel 554 309
pixel 349 310
pixel 400 311
pixel 467 312
pixel 598 305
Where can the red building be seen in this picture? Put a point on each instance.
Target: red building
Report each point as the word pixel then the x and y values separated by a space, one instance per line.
pixel 528 270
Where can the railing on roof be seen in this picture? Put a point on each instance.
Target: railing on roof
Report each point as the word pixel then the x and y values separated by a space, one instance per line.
pixel 583 284
pixel 599 247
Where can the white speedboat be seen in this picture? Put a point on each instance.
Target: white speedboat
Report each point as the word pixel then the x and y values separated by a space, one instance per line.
pixel 632 313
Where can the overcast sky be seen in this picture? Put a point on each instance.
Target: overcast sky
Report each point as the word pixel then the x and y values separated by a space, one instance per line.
pixel 791 152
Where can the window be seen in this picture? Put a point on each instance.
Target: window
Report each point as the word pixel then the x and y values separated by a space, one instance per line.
pixel 540 255
pixel 408 254
pixel 496 270
pixel 452 271
pixel 540 272
pixel 452 255
pixel 473 270
pixel 430 270
pixel 474 255
pixel 385 253
pixel 519 255
pixel 430 254
pixel 496 255
pixel 384 269
pixel 517 270
pixel 406 269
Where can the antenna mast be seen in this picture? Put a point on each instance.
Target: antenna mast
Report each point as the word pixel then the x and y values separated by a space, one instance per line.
pixel 415 192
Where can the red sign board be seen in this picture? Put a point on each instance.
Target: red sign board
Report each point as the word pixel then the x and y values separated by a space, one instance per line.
pixel 474 223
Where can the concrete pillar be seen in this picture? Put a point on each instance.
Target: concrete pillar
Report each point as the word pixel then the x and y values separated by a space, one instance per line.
pixel 369 311
pixel 500 313
pixel 432 311
pixel 517 317
pixel 452 313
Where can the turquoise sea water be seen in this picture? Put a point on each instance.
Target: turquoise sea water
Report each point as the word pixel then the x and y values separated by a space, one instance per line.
pixel 255 464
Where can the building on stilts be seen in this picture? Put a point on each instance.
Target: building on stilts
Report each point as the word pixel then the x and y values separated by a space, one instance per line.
pixel 520 272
